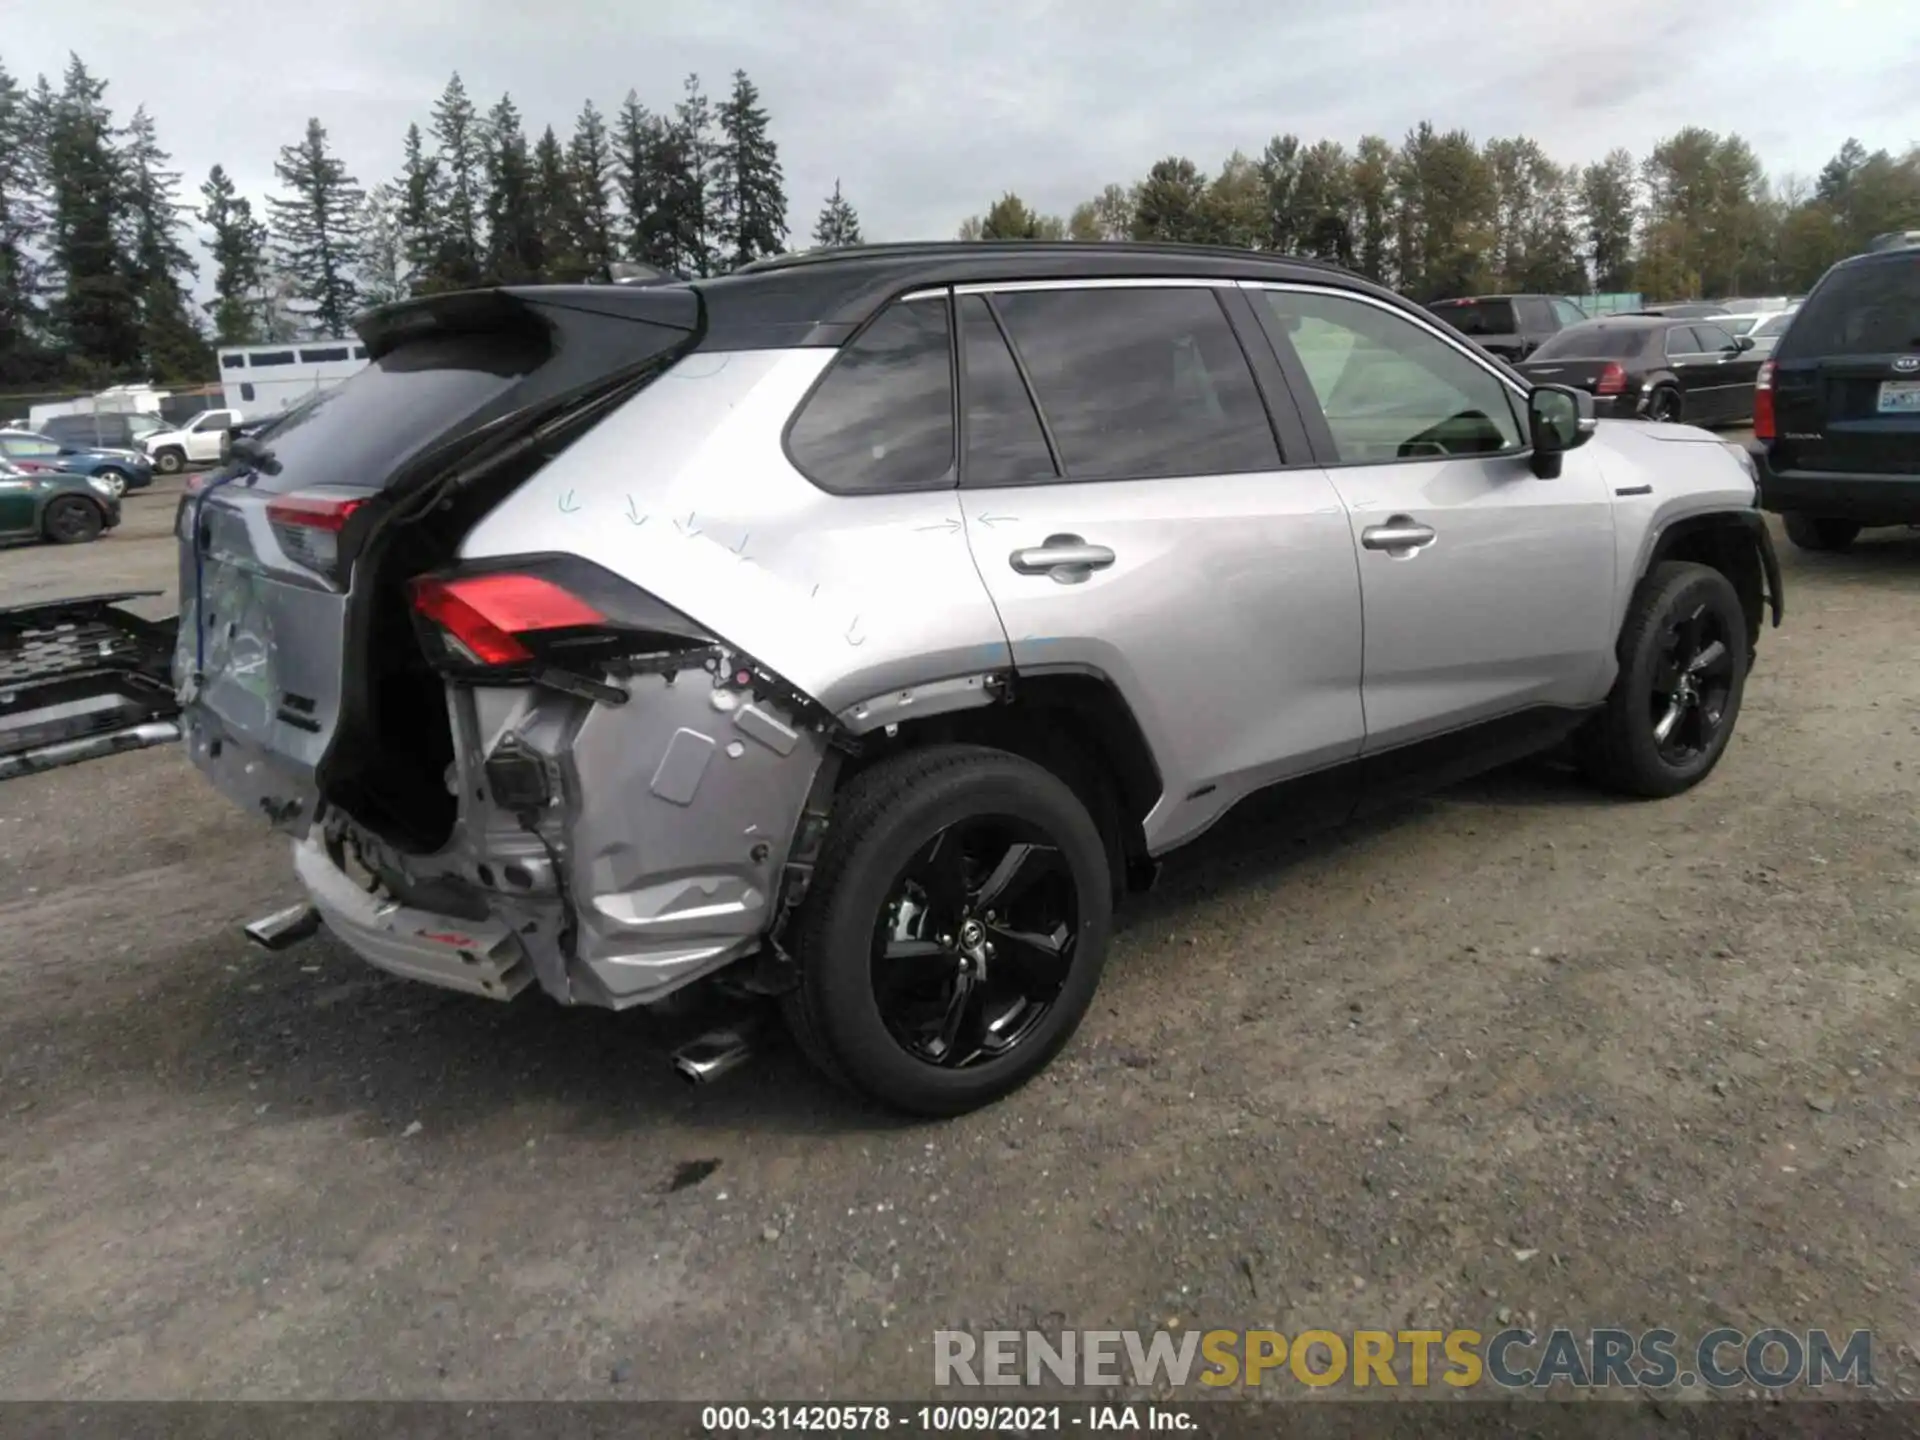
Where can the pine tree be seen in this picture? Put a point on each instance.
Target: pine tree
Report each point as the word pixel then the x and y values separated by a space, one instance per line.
pixel 239 246
pixel 422 216
pixel 749 191
pixel 95 317
pixel 23 359
pixel 316 240
pixel 456 130
pixel 170 337
pixel 686 170
pixel 640 170
pixel 385 267
pixel 838 225
pixel 590 174
pixel 556 219
pixel 513 238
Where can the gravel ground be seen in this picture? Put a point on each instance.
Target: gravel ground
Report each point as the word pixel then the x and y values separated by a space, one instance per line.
pixel 1665 1052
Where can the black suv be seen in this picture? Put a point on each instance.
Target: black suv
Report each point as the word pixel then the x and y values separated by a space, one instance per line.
pixel 1511 326
pixel 1837 408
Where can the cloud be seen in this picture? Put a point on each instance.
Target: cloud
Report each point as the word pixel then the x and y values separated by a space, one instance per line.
pixel 927 111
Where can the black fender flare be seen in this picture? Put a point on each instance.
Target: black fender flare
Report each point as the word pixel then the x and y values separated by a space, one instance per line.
pixel 1749 522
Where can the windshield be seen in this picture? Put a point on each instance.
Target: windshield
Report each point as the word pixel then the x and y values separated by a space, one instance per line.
pixel 1776 326
pixel 1739 324
pixel 1866 309
pixel 1595 340
pixel 1477 317
pixel 138 425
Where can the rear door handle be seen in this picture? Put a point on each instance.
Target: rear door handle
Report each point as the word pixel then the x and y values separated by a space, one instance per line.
pixel 1067 558
pixel 1402 534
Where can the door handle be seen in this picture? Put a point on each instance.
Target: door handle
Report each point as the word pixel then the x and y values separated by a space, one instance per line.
pixel 1400 536
pixel 1067 558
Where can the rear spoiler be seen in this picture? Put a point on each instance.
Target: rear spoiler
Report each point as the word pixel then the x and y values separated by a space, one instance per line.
pixel 80 678
pixel 664 301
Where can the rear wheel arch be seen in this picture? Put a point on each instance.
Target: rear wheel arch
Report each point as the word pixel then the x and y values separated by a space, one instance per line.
pixel 1075 724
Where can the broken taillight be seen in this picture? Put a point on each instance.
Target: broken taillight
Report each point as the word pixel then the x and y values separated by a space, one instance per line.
pixel 543 612
pixel 308 523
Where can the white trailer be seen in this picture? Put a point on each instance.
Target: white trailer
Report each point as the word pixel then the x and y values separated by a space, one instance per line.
pixel 261 380
pixel 120 400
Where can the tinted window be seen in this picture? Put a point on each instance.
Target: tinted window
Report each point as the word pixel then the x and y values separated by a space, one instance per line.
pixel 1005 444
pixel 1682 341
pixel 1140 383
pixel 359 352
pixel 1866 309
pixel 246 392
pixel 1595 341
pixel 882 418
pixel 1478 317
pixel 233 362
pixel 317 357
pixel 273 357
pixel 1713 339
pixel 1390 389
pixel 1568 313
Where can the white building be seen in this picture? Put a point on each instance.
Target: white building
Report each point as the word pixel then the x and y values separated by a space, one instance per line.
pixel 266 379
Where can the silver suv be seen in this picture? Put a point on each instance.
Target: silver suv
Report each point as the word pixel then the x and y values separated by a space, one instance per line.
pixel 858 628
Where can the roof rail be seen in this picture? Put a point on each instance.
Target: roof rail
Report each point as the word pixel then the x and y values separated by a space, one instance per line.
pixel 941 249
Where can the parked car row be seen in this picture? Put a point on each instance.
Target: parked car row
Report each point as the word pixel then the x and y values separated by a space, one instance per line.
pixel 171 448
pixel 57 505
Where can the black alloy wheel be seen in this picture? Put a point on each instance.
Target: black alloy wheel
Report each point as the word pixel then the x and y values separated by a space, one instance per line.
pixel 1663 406
pixel 975 942
pixel 1691 685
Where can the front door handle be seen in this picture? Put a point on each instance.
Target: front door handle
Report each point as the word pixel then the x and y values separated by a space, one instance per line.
pixel 1067 558
pixel 1401 535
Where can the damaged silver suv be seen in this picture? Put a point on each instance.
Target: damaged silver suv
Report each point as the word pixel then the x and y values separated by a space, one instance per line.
pixel 855 630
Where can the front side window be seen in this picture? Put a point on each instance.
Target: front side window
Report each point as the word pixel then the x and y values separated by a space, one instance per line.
pixel 1713 339
pixel 1390 389
pixel 882 417
pixel 1140 382
pixel 1682 341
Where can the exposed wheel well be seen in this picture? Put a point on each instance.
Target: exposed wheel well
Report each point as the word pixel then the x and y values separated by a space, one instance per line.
pixel 1079 727
pixel 1723 543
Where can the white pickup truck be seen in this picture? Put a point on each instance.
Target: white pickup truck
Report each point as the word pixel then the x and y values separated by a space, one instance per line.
pixel 195 443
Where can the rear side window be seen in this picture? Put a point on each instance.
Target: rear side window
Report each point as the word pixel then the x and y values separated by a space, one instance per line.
pixel 882 416
pixel 233 362
pixel 1005 444
pixel 1140 383
pixel 1478 317
pixel 1865 309
pixel 323 356
pixel 363 430
pixel 1594 342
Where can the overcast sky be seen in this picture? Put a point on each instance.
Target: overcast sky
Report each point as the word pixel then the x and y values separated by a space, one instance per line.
pixel 927 109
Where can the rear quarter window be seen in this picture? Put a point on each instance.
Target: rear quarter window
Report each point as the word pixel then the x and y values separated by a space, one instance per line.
pixel 881 418
pixel 1868 309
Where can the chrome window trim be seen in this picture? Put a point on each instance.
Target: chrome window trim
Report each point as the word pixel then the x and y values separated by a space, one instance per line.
pixel 1103 282
pixel 1434 328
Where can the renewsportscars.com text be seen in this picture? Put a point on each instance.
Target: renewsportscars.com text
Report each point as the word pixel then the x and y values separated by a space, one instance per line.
pixel 1511 1359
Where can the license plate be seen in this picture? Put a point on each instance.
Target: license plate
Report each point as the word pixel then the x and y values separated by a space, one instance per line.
pixel 1900 397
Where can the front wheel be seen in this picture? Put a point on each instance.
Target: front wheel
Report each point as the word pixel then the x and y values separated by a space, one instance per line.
pixel 954 931
pixel 69 520
pixel 116 481
pixel 1683 668
pixel 170 461
pixel 1812 533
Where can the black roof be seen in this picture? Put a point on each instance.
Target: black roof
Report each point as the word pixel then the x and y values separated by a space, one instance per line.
pixel 820 297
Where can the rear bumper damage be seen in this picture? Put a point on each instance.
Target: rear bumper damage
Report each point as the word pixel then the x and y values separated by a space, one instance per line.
pixel 613 853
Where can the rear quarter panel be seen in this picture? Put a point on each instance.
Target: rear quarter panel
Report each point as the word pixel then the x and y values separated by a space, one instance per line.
pixel 687 492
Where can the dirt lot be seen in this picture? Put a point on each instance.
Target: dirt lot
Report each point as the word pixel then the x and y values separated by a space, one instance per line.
pixel 1668 1047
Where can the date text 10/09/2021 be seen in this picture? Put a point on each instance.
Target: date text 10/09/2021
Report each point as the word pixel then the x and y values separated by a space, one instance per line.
pixel 943 1419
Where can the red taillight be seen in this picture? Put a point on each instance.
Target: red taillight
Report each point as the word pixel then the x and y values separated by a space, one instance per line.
pixel 308 524
pixel 1612 381
pixel 1763 402
pixel 482 614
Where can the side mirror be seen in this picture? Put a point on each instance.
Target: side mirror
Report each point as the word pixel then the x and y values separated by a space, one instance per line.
pixel 1743 343
pixel 1559 419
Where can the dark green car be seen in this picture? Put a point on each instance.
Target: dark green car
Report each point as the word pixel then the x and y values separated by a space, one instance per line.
pixel 54 505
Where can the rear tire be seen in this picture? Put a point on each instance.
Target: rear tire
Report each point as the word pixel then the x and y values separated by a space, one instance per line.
pixel 1810 532
pixel 1665 406
pixel 954 932
pixel 69 520
pixel 1683 669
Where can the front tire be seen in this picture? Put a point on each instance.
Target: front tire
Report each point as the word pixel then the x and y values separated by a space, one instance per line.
pixel 1810 532
pixel 69 520
pixel 1683 670
pixel 170 461
pixel 954 931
